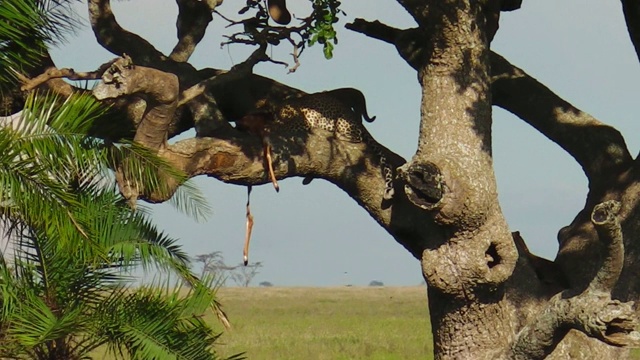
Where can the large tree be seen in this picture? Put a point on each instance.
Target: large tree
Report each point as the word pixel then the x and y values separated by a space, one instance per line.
pixel 488 296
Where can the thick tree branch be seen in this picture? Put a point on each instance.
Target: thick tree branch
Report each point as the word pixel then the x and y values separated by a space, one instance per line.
pixel 193 18
pixel 593 313
pixel 631 10
pixel 597 147
pixel 114 38
pixel 236 157
pixel 410 43
pixel 375 29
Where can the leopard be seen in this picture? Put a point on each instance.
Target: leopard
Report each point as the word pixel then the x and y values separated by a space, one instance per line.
pixel 301 115
pixel 324 111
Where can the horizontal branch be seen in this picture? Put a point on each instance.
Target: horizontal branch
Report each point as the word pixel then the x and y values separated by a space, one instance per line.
pixel 238 158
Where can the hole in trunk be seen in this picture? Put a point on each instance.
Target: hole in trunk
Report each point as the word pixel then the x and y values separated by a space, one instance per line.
pixel 492 256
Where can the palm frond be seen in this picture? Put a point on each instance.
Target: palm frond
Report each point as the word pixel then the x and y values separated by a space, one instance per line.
pixel 149 171
pixel 38 323
pixel 161 324
pixel 45 153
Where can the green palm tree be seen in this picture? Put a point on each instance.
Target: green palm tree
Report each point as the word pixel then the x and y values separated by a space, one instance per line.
pixel 66 284
pixel 67 290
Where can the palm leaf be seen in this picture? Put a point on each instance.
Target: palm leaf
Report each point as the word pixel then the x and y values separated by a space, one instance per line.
pixel 161 324
pixel 149 171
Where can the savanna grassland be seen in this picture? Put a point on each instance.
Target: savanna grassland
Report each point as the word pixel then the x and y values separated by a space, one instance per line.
pixel 327 323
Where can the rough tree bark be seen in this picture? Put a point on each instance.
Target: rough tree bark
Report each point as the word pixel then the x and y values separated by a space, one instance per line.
pixel 489 298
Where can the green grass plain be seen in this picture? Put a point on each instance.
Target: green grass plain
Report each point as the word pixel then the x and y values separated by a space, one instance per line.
pixel 378 323
pixel 336 323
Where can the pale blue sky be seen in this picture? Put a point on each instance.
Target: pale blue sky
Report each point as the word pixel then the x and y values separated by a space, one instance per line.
pixel 316 235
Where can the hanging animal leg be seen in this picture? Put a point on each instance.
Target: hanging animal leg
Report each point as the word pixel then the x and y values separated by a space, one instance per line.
pixel 267 156
pixel 249 227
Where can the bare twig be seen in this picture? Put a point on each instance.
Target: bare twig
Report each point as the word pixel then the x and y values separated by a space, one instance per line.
pixel 257 31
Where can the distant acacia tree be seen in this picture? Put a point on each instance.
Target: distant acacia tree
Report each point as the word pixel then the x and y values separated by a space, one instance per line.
pixel 376 283
pixel 213 264
pixel 244 274
pixel 265 284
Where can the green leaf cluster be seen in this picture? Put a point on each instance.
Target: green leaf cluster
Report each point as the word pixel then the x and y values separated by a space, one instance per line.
pixel 325 14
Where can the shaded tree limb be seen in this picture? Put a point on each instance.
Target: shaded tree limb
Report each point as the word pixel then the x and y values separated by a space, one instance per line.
pixel 160 90
pixel 599 149
pixel 114 38
pixel 193 18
